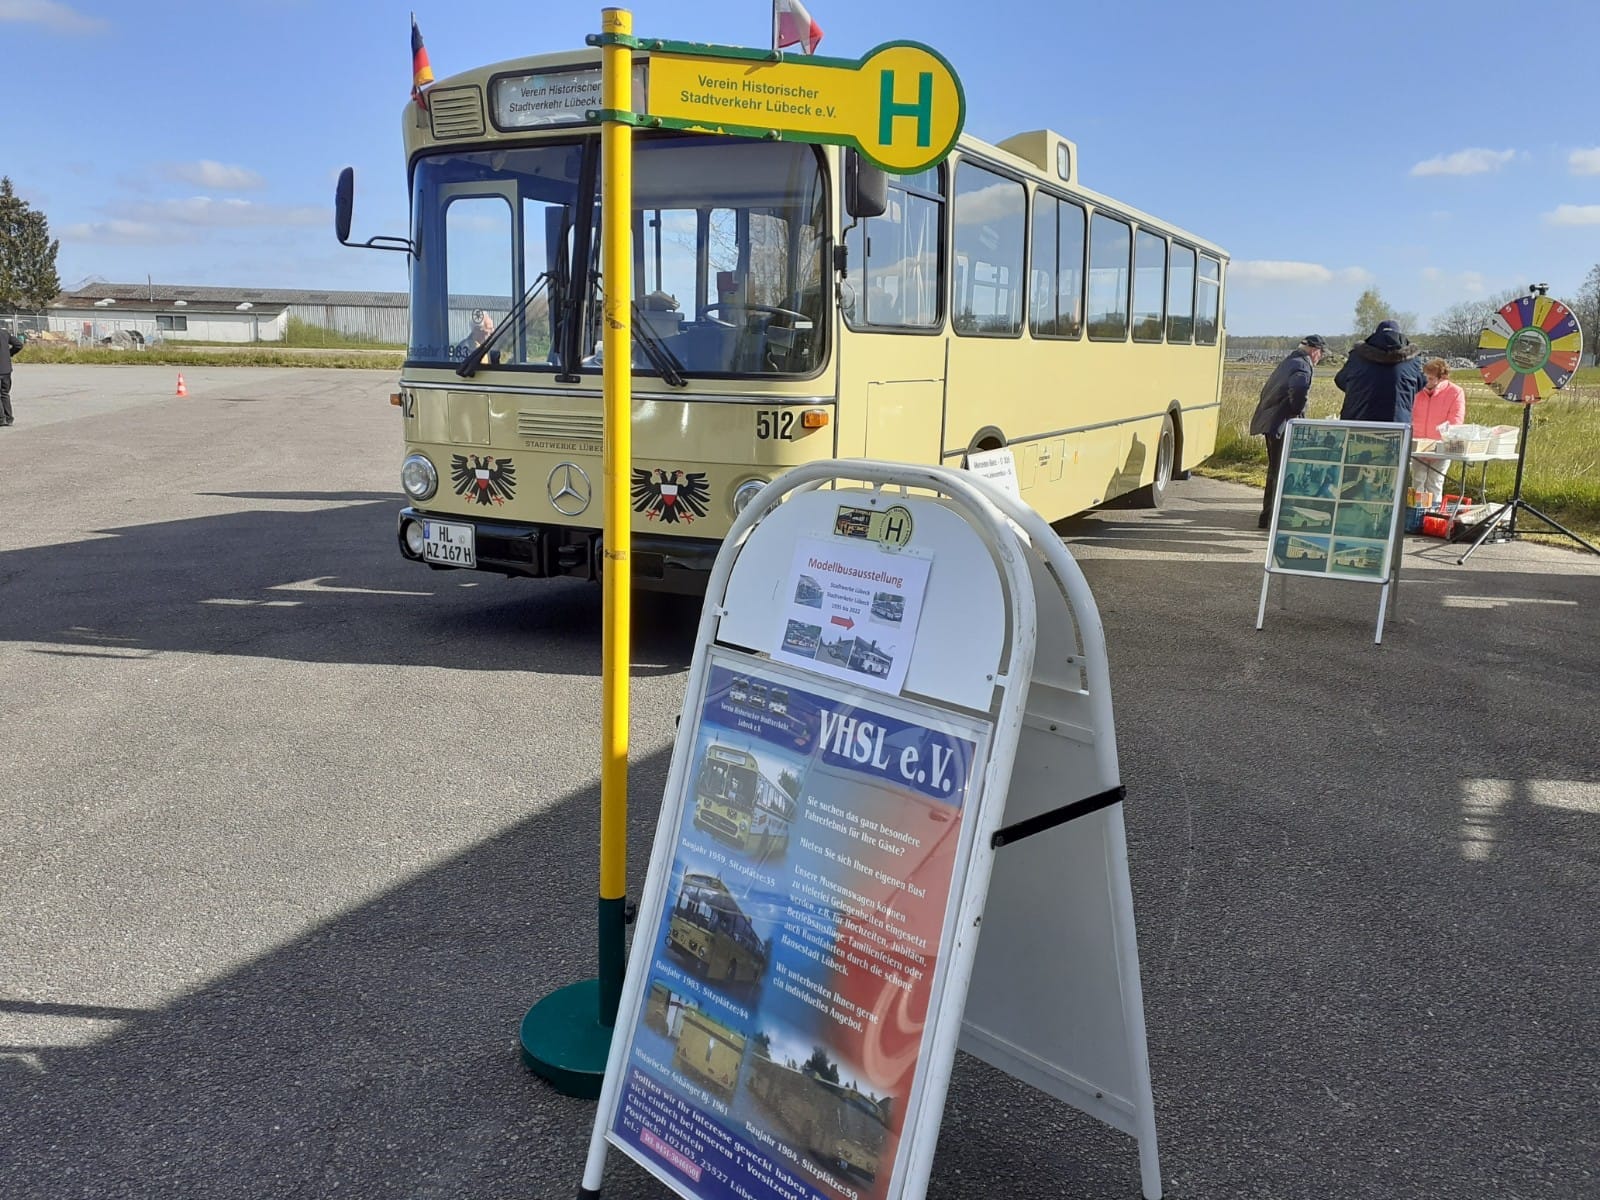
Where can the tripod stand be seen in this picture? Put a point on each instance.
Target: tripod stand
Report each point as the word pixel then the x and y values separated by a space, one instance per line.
pixel 1507 515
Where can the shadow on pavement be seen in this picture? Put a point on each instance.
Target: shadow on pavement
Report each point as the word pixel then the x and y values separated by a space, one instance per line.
pixel 306 586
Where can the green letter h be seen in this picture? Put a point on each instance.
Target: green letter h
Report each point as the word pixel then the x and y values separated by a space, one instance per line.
pixel 889 109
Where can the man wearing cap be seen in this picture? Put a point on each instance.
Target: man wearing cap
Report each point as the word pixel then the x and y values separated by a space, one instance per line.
pixel 1283 398
pixel 1381 378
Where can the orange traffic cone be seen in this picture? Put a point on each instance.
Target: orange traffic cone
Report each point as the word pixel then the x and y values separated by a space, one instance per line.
pixel 183 388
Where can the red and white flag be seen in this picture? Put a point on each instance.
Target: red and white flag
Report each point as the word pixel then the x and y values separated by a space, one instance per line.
pixel 792 25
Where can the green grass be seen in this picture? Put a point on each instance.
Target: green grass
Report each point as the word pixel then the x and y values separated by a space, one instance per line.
pixel 1563 461
pixel 303 333
pixel 260 354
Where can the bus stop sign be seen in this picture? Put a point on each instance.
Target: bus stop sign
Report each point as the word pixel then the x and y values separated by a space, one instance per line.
pixel 901 106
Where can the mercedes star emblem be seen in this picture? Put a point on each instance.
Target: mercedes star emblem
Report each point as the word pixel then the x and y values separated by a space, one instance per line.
pixel 568 489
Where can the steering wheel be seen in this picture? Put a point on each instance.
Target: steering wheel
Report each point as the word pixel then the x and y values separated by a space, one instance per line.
pixel 769 309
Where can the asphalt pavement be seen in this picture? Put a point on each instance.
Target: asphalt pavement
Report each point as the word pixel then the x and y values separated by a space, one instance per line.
pixel 293 831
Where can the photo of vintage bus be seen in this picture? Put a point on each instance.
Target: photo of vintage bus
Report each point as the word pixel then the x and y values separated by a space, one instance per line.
pixel 837 1125
pixel 738 805
pixel 790 303
pixel 711 932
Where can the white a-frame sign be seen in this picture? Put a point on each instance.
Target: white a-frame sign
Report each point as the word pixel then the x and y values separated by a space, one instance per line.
pixel 1336 513
pixel 892 826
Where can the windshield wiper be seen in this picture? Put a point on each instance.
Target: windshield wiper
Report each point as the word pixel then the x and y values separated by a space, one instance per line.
pixel 667 364
pixel 517 318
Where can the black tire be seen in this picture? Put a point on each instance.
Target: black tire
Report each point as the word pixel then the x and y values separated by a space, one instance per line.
pixel 1154 494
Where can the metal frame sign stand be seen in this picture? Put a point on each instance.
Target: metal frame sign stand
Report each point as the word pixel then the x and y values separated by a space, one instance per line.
pixel 1337 510
pixel 902 108
pixel 897 734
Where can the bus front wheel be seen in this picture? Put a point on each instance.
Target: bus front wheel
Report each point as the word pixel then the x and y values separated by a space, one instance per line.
pixel 1154 494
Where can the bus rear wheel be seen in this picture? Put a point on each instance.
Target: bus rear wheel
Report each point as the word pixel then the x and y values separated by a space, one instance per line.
pixel 1154 494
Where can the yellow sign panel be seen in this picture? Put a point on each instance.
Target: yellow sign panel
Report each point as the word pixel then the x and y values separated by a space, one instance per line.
pixel 901 105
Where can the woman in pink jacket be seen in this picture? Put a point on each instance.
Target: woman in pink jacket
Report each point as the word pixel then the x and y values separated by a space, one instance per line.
pixel 1438 404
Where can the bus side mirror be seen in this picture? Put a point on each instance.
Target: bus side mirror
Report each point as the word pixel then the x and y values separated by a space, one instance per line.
pixel 866 189
pixel 344 195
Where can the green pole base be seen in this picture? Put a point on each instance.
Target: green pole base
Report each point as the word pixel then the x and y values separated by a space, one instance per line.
pixel 564 1042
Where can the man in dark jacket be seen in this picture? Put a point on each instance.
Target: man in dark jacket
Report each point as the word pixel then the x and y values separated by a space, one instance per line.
pixel 1381 377
pixel 1283 398
pixel 10 343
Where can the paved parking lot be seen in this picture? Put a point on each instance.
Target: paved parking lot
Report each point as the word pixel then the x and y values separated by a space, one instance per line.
pixel 292 832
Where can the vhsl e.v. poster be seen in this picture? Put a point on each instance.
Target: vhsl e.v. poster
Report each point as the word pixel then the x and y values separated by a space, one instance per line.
pixel 776 1049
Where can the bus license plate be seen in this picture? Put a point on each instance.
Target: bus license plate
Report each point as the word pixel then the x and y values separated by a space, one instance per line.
pixel 449 544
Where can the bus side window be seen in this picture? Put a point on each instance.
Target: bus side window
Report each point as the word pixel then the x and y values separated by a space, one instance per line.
pixel 1110 249
pixel 1149 286
pixel 990 230
pixel 1208 301
pixel 894 260
pixel 1180 295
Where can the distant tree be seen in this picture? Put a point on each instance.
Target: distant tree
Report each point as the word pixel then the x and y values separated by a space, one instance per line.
pixel 763 1044
pixel 1586 307
pixel 789 782
pixel 820 1065
pixel 1455 331
pixel 28 278
pixel 1372 308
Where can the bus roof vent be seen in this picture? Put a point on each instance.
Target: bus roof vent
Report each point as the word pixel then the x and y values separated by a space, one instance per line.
pixel 1047 150
pixel 457 112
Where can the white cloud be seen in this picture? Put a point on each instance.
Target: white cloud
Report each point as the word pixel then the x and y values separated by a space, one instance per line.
pixel 1585 162
pixel 1275 271
pixel 1466 283
pixel 116 233
pixel 1574 214
pixel 209 174
pixel 51 15
pixel 224 213
pixel 1465 162
pixel 993 203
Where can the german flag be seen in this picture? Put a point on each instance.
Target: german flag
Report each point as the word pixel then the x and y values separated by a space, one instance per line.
pixel 421 69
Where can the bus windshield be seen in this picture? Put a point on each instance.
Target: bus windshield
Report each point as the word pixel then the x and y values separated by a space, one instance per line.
pixel 487 226
pixel 725 781
pixel 728 239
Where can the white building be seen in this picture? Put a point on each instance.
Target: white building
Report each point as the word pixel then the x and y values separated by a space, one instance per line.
pixel 163 312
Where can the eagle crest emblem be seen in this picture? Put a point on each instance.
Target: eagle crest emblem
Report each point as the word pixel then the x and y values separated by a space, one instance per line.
pixel 670 496
pixel 483 479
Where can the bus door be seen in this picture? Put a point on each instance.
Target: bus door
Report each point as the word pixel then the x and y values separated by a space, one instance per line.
pixel 891 351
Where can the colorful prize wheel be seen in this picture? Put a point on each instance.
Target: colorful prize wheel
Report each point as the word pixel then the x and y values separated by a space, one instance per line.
pixel 1530 348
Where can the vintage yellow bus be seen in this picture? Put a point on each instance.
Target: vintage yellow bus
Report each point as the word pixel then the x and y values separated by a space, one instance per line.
pixel 737 804
pixel 790 303
pixel 711 931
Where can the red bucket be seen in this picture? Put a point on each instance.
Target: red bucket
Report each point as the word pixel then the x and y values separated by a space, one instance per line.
pixel 1437 525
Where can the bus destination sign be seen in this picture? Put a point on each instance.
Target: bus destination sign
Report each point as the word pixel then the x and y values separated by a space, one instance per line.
pixel 566 96
pixel 901 106
pixel 778 1047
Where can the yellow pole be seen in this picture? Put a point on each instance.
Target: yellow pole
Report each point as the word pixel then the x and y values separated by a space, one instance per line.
pixel 616 240
pixel 567 1035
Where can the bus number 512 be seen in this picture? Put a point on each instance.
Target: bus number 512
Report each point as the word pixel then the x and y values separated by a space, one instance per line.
pixel 774 424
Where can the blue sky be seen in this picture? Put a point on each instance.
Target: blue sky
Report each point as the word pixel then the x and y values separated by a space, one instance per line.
pixel 1440 151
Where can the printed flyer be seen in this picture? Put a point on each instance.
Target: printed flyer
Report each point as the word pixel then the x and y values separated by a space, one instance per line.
pixel 851 611
pixel 775 1054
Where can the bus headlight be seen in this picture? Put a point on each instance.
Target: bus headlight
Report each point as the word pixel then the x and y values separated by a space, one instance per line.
pixel 746 492
pixel 418 477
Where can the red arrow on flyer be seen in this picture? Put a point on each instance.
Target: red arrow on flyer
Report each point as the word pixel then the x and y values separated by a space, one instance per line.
pixel 845 621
